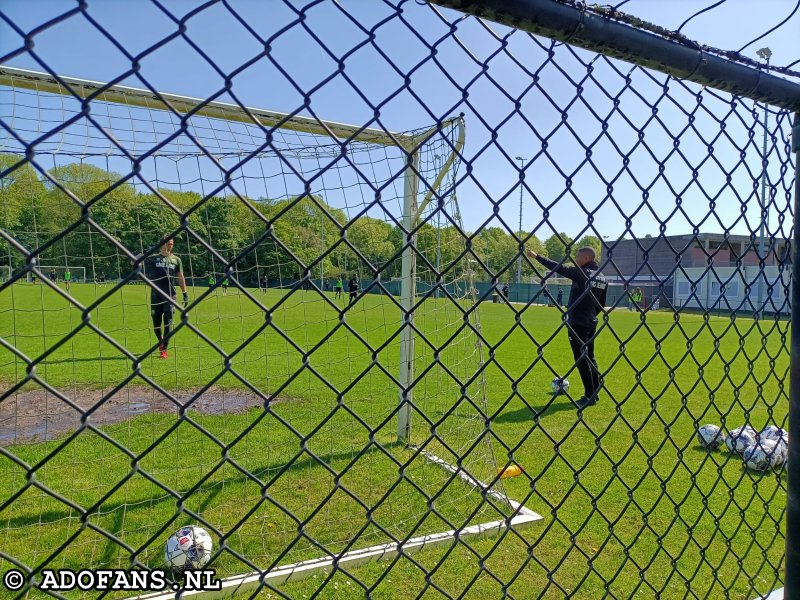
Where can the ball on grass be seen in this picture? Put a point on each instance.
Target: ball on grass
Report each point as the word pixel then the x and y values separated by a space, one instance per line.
pixel 773 432
pixel 559 385
pixel 762 455
pixel 710 436
pixel 188 548
pixel 740 439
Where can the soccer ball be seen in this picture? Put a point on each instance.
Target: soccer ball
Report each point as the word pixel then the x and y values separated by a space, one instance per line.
pixel 762 455
pixel 710 436
pixel 781 453
pixel 773 432
pixel 559 386
pixel 188 548
pixel 740 439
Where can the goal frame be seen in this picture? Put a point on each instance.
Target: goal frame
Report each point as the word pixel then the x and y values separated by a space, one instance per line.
pixel 410 144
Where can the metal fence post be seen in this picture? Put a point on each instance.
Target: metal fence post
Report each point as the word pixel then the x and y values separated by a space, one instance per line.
pixel 792 590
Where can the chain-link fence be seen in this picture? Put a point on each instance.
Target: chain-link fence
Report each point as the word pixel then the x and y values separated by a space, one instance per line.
pixel 391 300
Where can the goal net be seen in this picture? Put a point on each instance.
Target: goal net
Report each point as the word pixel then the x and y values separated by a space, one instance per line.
pixel 295 420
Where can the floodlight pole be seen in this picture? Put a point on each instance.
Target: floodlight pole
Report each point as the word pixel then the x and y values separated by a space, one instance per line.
pixel 764 53
pixel 792 577
pixel 521 189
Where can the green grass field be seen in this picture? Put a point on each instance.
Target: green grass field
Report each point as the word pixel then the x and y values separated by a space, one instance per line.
pixel 631 505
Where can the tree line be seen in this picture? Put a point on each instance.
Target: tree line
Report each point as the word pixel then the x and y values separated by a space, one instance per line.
pixel 276 239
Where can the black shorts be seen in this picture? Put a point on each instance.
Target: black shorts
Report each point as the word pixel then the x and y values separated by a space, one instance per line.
pixel 161 308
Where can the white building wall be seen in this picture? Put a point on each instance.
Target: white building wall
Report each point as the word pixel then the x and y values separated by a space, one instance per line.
pixel 726 288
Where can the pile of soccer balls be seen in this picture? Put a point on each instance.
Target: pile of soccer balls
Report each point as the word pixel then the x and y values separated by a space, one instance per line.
pixel 760 450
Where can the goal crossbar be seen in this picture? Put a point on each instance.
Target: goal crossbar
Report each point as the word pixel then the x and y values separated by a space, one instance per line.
pixel 85 88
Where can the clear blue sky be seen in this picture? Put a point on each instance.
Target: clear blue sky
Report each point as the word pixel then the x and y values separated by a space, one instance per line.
pixel 457 82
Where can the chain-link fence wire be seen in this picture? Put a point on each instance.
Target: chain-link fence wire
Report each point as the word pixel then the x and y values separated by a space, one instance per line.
pixel 273 422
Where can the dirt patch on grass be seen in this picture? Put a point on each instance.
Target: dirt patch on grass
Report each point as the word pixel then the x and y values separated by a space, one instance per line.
pixel 37 415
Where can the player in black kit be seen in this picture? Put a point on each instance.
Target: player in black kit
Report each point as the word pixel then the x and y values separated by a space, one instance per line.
pixel 162 270
pixel 587 297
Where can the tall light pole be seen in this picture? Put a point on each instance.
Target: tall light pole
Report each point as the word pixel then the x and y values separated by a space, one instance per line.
pixel 764 53
pixel 521 188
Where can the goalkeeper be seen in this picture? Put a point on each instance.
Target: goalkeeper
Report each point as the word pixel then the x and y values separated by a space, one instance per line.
pixel 163 269
pixel 587 298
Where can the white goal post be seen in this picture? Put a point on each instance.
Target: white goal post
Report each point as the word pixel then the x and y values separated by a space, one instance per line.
pixel 83 88
pixel 415 201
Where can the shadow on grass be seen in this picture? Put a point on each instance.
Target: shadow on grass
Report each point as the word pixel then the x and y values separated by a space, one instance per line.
pixel 208 491
pixel 95 359
pixel 723 457
pixel 529 413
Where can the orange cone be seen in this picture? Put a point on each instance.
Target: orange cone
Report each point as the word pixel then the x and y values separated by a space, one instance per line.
pixel 509 471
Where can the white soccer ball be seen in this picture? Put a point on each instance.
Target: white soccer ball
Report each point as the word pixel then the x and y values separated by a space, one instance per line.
pixel 762 455
pixel 781 454
pixel 559 385
pixel 740 439
pixel 188 548
pixel 773 432
pixel 710 436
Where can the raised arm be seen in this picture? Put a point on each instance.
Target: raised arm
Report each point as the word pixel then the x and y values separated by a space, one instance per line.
pixel 568 272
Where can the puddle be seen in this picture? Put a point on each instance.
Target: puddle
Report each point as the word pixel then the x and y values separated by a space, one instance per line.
pixel 37 415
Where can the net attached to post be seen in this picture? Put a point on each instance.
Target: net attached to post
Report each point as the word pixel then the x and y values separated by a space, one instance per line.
pixel 273 422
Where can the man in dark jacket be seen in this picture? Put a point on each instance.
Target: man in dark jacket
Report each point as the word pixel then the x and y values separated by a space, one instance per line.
pixel 352 287
pixel 587 298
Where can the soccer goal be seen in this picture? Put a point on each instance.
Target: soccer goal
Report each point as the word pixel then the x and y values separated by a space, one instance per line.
pixel 353 426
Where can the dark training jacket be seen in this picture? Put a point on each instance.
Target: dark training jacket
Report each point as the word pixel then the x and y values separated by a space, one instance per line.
pixel 583 307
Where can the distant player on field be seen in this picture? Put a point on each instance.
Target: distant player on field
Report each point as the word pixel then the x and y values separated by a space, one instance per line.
pixel 67 278
pixel 162 270
pixel 338 288
pixel 352 287
pixel 586 299
pixel 53 275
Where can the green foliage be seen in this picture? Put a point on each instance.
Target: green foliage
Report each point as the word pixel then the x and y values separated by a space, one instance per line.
pixel 373 238
pixel 17 189
pixel 556 246
pixel 20 192
pixel 279 239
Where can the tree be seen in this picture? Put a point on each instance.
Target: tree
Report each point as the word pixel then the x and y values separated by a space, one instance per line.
pixel 497 249
pixel 535 244
pixel 18 189
pixel 372 237
pixel 555 246
pixel 21 191
pixel 74 188
pixel 301 224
